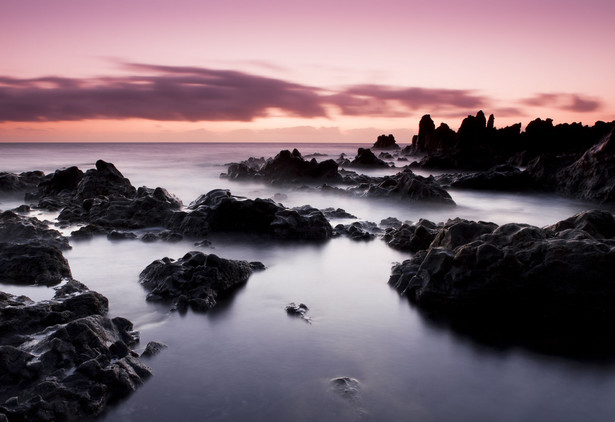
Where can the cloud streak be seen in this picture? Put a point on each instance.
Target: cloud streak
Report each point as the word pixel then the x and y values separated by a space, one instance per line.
pixel 567 102
pixel 175 93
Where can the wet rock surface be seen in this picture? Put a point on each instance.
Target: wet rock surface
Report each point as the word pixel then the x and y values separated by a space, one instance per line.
pixel 220 211
pixel 63 359
pixel 12 184
pixel 558 278
pixel 366 158
pixel 196 280
pixel 21 229
pixel 299 311
pixel 286 167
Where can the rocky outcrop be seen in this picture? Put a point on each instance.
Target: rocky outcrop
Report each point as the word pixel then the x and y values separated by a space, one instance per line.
pixel 195 280
pixel 592 176
pixel 505 178
pixel 63 359
pixel 411 237
pixel 365 158
pixel 286 167
pixel 386 142
pixel 406 186
pixel 32 263
pixel 19 184
pixel 16 228
pixel 219 211
pixel 359 230
pixel 562 273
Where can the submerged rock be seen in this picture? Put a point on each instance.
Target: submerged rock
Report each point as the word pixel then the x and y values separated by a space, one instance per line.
pixel 299 311
pixel 196 279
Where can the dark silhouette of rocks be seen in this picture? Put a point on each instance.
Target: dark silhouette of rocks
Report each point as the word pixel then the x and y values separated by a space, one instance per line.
pixel 386 142
pixel 219 211
pixel 19 229
pixel 195 280
pixel 20 184
pixel 411 237
pixel 503 177
pixel 63 359
pixel 298 311
pixel 405 186
pixel 358 230
pixel 365 158
pixel 286 167
pixel 32 263
pixel 556 280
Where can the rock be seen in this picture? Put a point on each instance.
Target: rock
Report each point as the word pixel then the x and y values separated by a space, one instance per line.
pixel 299 311
pixel 411 238
pixel 561 274
pixel 286 167
pixel 153 348
pixel 88 232
pixel 219 211
pixel 503 177
pixel 346 387
pixel 366 158
pixel 19 184
pixel 32 263
pixel 385 142
pixel 406 185
pixel 390 222
pixel 592 177
pixel 197 277
pixel 63 359
pixel 20 229
pixel 117 235
pixel 359 230
pixel 336 213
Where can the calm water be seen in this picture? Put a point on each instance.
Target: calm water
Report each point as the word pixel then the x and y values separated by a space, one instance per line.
pixel 248 361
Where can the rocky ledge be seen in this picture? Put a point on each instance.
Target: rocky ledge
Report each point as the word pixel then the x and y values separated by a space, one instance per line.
pixel 64 359
pixel 561 274
pixel 195 280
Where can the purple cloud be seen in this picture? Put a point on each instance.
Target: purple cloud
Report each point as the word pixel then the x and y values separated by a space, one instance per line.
pixel 568 102
pixel 170 93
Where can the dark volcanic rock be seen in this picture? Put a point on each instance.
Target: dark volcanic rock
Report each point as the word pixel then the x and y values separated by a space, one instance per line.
pixel 63 359
pixel 26 182
pixel 562 274
pixel 286 167
pixel 336 213
pixel 299 311
pixel 196 279
pixel 219 211
pixel 413 237
pixel 499 178
pixel 359 230
pixel 406 185
pixel 592 176
pixel 366 158
pixel 385 142
pixel 15 228
pixel 153 348
pixel 32 263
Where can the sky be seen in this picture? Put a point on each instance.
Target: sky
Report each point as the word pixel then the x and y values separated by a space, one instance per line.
pixel 284 71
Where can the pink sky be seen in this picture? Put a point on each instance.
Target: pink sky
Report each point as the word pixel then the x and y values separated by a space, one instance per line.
pixel 188 70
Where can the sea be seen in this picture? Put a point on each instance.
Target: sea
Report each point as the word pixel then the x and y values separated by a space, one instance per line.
pixel 247 360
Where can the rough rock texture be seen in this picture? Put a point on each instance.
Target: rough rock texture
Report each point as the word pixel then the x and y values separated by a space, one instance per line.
pixel 103 197
pixel 359 230
pixel 406 185
pixel 592 176
pixel 286 167
pixel 16 228
pixel 499 178
pixel 562 273
pixel 196 279
pixel 366 158
pixel 298 311
pixel 63 359
pixel 19 184
pixel 411 237
pixel 32 263
pixel 385 142
pixel 219 211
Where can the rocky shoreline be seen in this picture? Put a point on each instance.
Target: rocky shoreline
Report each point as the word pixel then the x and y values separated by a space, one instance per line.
pixel 65 359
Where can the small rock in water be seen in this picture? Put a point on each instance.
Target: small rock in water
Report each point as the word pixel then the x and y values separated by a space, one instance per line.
pixel 298 310
pixel 153 348
pixel 346 387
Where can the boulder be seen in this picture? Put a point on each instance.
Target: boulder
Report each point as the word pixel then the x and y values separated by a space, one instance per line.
pixel 196 279
pixel 503 177
pixel 367 159
pixel 385 142
pixel 411 237
pixel 32 263
pixel 63 359
pixel 19 184
pixel 406 186
pixel 562 274
pixel 16 228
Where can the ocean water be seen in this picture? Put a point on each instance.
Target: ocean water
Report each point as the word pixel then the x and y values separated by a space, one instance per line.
pixel 246 360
